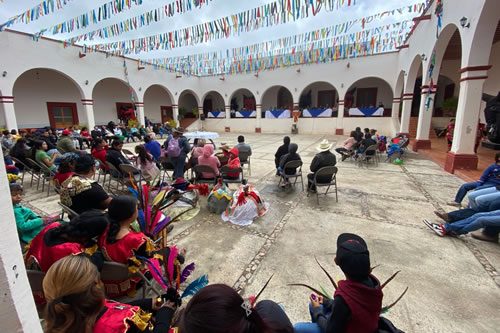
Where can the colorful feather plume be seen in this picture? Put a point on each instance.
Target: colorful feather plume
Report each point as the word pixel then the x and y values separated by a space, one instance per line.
pixel 171 261
pixel 195 286
pixel 187 271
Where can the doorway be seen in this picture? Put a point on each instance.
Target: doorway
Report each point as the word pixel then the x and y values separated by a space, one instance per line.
pixel 167 114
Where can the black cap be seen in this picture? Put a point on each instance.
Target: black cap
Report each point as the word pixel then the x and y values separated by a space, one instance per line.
pixel 353 256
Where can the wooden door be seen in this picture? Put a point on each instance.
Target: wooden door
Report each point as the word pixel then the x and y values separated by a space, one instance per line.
pixel 167 114
pixel 62 115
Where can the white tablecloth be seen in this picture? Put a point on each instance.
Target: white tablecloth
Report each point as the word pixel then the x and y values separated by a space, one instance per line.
pixel 327 113
pixel 201 135
pixel 357 112
pixel 252 115
pixel 221 114
pixel 284 114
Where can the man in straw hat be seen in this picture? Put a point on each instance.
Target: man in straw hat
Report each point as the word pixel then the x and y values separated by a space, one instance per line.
pixel 323 158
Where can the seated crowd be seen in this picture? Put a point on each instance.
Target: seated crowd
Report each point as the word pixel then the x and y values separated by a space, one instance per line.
pixel 75 298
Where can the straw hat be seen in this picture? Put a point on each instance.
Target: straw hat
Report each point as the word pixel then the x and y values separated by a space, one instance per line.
pixel 225 147
pixel 324 146
pixel 179 130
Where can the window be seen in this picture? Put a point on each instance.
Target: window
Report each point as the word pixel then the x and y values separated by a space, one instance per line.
pixel 62 115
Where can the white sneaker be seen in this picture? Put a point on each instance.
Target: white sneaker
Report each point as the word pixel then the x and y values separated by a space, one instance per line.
pixel 437 228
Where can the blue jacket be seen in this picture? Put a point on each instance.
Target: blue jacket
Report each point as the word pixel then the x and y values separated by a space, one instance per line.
pixel 490 175
pixel 154 148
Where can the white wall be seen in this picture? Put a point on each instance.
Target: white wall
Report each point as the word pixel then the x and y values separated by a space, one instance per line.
pixel 188 101
pixel 270 98
pixel 106 94
pixel 32 91
pixel 217 101
pixel 154 98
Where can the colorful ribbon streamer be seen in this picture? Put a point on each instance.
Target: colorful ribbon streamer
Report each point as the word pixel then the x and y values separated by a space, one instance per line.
pixel 107 11
pixel 245 60
pixel 274 13
pixel 42 9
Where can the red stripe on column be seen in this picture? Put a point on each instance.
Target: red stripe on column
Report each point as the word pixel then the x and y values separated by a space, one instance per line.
pixel 474 78
pixel 475 68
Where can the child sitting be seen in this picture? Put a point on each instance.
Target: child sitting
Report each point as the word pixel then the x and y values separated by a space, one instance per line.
pixel 28 223
pixel 357 303
pixel 233 163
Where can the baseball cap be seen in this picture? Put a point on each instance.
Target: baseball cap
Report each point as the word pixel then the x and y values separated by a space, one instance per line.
pixel 353 256
pixel 66 132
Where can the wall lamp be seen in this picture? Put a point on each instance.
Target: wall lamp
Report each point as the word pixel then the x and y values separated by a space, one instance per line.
pixel 86 82
pixel 424 58
pixel 4 73
pixel 464 22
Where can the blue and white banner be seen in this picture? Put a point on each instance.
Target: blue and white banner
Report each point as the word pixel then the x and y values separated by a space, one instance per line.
pixel 367 112
pixel 275 114
pixel 317 113
pixel 217 114
pixel 246 114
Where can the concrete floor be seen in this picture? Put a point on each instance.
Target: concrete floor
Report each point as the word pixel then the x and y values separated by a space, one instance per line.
pixel 453 282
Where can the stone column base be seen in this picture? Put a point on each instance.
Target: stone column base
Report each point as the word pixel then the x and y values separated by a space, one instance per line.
pixel 227 129
pixel 339 131
pixel 421 144
pixel 460 161
pixel 258 130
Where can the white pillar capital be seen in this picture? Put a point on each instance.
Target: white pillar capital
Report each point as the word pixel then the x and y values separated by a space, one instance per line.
pixel 9 114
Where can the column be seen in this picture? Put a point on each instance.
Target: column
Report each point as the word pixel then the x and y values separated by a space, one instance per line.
pixel 340 119
pixel 258 121
pixel 140 113
pixel 424 119
pixel 227 128
pixel 175 114
pixel 9 113
pixel 88 108
pixel 17 309
pixel 406 114
pixel 462 155
pixel 395 115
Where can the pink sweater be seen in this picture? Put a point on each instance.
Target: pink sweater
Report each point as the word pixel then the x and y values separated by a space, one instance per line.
pixel 209 159
pixel 349 142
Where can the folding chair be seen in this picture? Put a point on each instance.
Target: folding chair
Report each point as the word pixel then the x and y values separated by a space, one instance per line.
pixel 65 209
pixel 116 175
pixel 325 171
pixel 364 157
pixel 166 165
pixel 35 279
pixel 199 169
pixel 26 168
pixel 128 154
pixel 245 160
pixel 128 169
pixel 41 174
pixel 225 170
pixel 114 271
pixel 298 174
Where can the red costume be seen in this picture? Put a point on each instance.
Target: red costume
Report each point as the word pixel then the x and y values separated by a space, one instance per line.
pixel 38 253
pixel 234 163
pixel 365 304
pixel 118 318
pixel 100 155
pixel 124 251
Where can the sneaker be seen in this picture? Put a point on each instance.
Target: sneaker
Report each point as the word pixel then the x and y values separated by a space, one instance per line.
pixel 479 235
pixel 442 216
pixel 454 204
pixel 437 228
pixel 343 158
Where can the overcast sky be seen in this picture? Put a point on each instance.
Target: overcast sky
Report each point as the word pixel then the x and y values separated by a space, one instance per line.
pixel 215 9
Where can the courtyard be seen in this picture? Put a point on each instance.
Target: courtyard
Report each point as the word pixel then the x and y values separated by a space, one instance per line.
pixel 453 283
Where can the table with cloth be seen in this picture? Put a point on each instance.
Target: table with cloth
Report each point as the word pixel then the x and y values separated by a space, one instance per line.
pixel 275 114
pixel 246 114
pixel 317 113
pixel 217 114
pixel 367 112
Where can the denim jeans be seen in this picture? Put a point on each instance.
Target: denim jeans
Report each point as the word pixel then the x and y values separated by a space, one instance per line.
pixel 469 187
pixel 483 195
pixel 309 327
pixel 476 221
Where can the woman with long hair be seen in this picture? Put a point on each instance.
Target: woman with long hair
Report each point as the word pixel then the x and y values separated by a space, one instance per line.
pixel 39 154
pixel 145 161
pixel 19 151
pixel 218 308
pixel 76 303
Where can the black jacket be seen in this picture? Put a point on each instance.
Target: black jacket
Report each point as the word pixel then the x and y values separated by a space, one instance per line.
pixel 323 159
pixel 116 158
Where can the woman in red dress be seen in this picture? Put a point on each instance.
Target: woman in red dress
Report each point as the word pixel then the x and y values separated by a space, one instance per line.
pixel 76 303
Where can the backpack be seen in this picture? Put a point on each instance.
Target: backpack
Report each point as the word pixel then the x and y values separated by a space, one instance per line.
pixel 173 149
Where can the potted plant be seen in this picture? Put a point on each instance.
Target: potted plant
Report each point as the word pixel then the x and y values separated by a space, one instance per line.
pixel 182 112
pixel 450 106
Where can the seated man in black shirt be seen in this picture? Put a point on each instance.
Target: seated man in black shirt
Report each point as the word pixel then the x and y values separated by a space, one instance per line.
pixel 115 157
pixel 365 143
pixel 357 302
pixel 80 192
pixel 322 159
